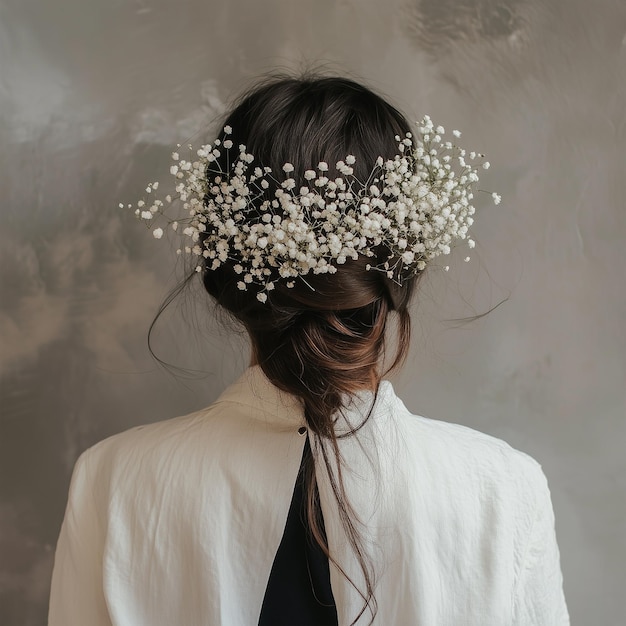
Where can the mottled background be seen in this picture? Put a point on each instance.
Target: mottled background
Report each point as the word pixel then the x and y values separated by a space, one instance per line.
pixel 93 95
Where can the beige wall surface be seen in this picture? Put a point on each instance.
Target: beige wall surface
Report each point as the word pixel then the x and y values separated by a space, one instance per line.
pixel 94 94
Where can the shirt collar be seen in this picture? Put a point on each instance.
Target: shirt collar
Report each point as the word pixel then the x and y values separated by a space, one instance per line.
pixel 268 403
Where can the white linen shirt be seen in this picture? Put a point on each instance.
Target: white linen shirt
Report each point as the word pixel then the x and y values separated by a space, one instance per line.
pixel 177 523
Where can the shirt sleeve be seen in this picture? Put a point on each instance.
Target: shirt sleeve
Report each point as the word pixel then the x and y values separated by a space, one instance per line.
pixel 77 596
pixel 538 597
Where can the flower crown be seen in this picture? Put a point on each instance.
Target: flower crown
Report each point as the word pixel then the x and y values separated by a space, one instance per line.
pixel 414 206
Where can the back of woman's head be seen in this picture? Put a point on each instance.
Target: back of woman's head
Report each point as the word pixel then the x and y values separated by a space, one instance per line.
pixel 323 336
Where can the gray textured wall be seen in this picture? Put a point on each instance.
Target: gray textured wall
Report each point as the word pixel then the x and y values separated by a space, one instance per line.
pixel 94 93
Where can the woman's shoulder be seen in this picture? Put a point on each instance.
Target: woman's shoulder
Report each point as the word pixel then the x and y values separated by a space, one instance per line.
pixel 146 446
pixel 469 441
pixel 467 452
pixel 188 440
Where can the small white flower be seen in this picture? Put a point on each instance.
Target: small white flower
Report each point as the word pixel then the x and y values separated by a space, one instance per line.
pixel 456 133
pixel 486 165
pixel 496 198
pixel 414 204
pixel 228 130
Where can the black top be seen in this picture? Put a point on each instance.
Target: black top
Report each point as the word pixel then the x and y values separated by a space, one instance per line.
pixel 298 591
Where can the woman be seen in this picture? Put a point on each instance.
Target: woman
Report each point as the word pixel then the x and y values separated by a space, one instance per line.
pixel 307 493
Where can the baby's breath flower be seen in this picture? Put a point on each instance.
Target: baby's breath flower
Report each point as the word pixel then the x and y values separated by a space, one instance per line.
pixel 414 205
pixel 496 198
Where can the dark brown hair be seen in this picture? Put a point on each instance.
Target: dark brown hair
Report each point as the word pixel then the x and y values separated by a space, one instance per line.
pixel 322 339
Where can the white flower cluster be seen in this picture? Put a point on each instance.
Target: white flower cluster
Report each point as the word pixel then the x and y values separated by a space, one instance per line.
pixel 414 205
